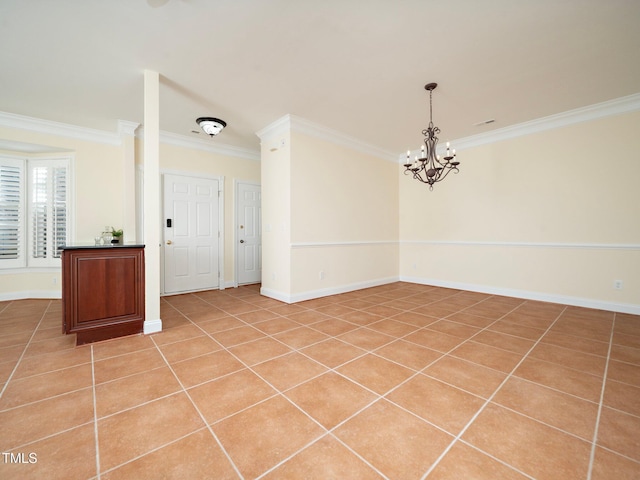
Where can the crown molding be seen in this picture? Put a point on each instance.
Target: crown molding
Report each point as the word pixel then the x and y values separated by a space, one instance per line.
pixel 630 103
pixel 127 128
pixel 278 127
pixel 38 125
pixel 199 144
pixel 21 122
pixel 300 125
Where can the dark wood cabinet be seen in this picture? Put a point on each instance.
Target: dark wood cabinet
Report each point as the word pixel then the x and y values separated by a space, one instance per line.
pixel 102 291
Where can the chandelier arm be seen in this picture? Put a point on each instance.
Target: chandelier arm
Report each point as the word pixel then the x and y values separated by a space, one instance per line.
pixel 418 177
pixel 448 171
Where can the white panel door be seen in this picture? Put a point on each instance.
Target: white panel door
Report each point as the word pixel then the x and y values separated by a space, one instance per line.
pixel 191 233
pixel 249 233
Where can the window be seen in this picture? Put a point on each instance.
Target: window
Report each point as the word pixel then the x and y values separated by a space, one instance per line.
pixel 11 212
pixel 34 211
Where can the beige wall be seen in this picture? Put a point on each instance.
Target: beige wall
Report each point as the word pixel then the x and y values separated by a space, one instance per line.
pixel 98 179
pixel 101 177
pixel 276 213
pixel 98 183
pixel 344 217
pixel 192 162
pixel 341 213
pixel 552 215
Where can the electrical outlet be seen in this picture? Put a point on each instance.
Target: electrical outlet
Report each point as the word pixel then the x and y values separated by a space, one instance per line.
pixel 617 284
pixel 321 274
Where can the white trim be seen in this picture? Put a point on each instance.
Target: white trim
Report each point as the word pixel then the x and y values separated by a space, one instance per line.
pixel 343 244
pixel 298 124
pixel 221 230
pixel 275 128
pixel 29 148
pixel 275 294
pixel 27 294
pixel 630 103
pixel 169 138
pixel 589 246
pixel 29 271
pixel 152 326
pixel 528 295
pixel 458 243
pixel 124 127
pixel 127 128
pixel 324 292
pixel 139 206
pixel 12 120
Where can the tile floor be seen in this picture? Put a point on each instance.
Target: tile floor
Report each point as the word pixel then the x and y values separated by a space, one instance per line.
pixel 400 381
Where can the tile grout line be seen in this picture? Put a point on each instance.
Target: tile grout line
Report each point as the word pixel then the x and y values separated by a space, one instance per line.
pixel 15 368
pixel 365 352
pixel 508 465
pixel 330 431
pixel 95 415
pixel 278 393
pixel 207 426
pixel 594 444
pixel 153 450
pixel 414 375
pixel 482 408
pixel 367 326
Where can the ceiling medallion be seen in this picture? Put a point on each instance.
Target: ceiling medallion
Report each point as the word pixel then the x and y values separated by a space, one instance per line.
pixel 430 168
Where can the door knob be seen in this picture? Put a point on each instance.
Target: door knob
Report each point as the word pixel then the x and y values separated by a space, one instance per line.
pixel 241 241
pixel 169 242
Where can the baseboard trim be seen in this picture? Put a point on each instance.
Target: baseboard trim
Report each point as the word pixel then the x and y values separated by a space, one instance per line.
pixel 325 292
pixel 152 326
pixel 528 295
pixel 26 294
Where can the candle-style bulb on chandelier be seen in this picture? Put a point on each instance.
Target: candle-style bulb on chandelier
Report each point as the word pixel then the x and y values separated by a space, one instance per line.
pixel 430 168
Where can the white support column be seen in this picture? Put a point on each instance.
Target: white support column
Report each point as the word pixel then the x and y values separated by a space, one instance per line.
pixel 151 198
pixel 129 221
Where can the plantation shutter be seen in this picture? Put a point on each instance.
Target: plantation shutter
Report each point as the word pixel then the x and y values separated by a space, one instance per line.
pixel 11 213
pixel 48 210
pixel 60 207
pixel 39 212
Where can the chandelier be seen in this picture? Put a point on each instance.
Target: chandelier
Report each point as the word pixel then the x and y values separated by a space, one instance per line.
pixel 430 168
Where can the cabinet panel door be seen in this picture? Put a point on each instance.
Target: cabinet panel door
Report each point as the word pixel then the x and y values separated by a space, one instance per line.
pixel 104 287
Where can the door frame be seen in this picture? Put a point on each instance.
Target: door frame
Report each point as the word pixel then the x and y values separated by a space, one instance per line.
pixel 221 237
pixel 236 196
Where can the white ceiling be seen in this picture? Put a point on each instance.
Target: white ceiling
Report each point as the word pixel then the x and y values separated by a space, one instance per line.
pixel 358 67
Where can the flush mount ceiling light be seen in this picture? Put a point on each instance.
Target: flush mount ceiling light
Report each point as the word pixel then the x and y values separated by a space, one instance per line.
pixel 430 168
pixel 211 126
